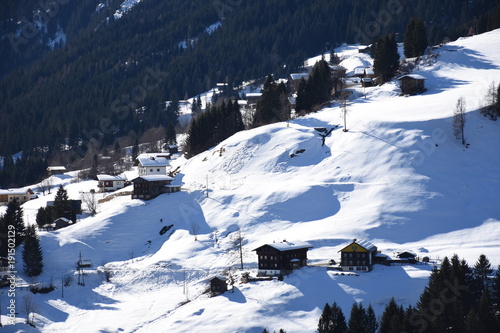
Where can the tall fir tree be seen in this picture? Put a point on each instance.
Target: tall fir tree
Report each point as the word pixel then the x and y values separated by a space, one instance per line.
pixel 386 60
pixel 482 269
pixel 357 320
pixel 62 205
pixel 12 220
pixel 415 41
pixel 32 253
pixel 170 136
pixel 272 107
pixel 392 318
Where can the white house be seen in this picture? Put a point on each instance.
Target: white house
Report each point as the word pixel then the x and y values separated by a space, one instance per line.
pixel 19 194
pixel 108 183
pixel 151 164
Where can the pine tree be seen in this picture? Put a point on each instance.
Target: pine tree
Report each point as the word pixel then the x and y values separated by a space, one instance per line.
pixel 338 324
pixel 32 253
pixel 325 319
pixel 44 216
pixel 272 107
pixel 62 205
pixel 415 41
pixel 482 269
pixel 170 137
pixel 135 149
pixel 357 319
pixel 371 320
pixel 386 60
pixel 12 220
pixel 392 318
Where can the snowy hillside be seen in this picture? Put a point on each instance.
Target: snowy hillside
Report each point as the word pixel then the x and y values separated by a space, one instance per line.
pixel 398 178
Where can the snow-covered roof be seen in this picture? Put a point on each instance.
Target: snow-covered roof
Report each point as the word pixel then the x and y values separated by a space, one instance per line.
pixel 147 160
pixel 155 178
pixel 363 243
pixel 406 253
pixel 253 94
pixel 298 76
pixel 359 71
pixel 56 168
pixel 111 178
pixel 369 71
pixel 287 246
pixel 413 76
pixel 15 191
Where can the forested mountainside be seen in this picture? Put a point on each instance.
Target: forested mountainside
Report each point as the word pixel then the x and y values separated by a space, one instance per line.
pixel 162 50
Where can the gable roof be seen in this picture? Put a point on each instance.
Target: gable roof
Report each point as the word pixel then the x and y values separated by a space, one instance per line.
pixel 153 178
pixel 412 76
pixel 110 178
pixel 16 191
pixel 368 246
pixel 287 246
pixel 147 160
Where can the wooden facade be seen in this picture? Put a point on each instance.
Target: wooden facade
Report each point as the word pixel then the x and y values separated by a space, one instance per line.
pixel 20 195
pixel 149 187
pixel 358 256
pixel 281 258
pixel 412 84
pixel 218 285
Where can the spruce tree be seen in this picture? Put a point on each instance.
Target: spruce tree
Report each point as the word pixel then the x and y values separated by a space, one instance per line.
pixel 357 320
pixel 415 41
pixel 371 320
pixel 12 220
pixel 62 205
pixel 325 320
pixel 386 60
pixel 272 107
pixel 32 253
pixel 338 324
pixel 170 136
pixel 392 318
pixel 482 269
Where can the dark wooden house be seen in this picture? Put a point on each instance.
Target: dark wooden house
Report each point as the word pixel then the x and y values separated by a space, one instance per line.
pixel 412 84
pixel 281 258
pixel 358 256
pixel 407 257
pixel 149 187
pixel 218 285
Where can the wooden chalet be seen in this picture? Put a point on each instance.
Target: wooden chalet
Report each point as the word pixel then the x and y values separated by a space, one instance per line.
pixel 407 257
pixel 150 186
pixel 294 80
pixel 281 258
pixel 412 84
pixel 19 194
pixel 367 82
pixel 358 256
pixel 108 183
pixel 62 222
pixel 218 285
pixel 56 170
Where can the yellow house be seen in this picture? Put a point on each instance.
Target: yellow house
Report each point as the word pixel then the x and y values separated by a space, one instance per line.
pixel 21 195
pixel 358 256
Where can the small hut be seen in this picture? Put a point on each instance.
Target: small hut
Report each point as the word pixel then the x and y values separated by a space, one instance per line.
pixel 218 285
pixel 412 84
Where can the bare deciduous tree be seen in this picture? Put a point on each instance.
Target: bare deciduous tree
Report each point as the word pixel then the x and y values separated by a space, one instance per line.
pixel 194 229
pixel 459 120
pixel 29 309
pixel 90 201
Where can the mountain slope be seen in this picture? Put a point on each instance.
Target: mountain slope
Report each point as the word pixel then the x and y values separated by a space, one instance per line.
pixel 398 178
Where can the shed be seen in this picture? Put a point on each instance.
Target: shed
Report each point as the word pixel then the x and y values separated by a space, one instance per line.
pixel 62 222
pixel 366 82
pixel 56 170
pixel 412 84
pixel 218 285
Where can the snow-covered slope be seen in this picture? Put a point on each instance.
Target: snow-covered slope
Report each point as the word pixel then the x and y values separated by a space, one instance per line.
pixel 398 177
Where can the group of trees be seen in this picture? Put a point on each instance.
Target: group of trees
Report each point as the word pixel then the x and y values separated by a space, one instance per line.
pixel 458 298
pixel 61 208
pixel 317 89
pixel 43 104
pixel 12 221
pixel 491 104
pixel 361 320
pixel 213 126
pixel 273 105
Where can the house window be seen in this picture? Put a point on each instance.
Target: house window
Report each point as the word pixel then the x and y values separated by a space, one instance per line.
pixel 150 170
pixel 158 170
pixel 351 268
